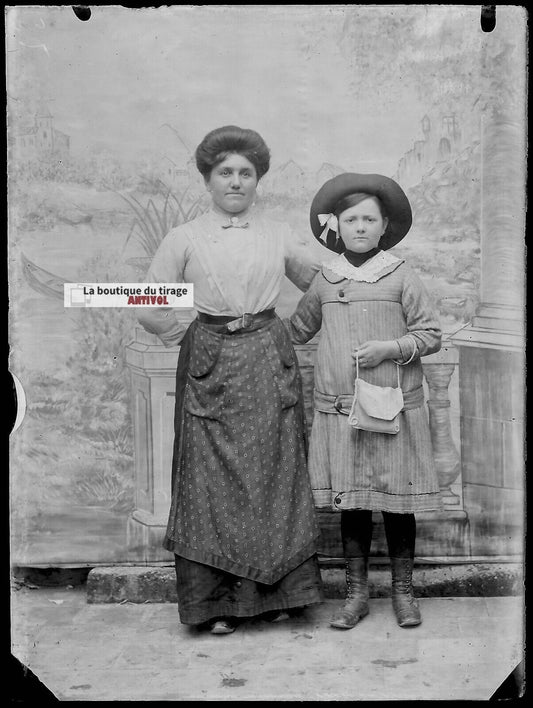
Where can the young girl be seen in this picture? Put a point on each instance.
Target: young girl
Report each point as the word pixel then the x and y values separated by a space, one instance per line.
pixel 376 322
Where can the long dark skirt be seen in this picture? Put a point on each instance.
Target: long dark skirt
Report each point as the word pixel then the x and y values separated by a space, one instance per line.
pixel 242 521
pixel 205 592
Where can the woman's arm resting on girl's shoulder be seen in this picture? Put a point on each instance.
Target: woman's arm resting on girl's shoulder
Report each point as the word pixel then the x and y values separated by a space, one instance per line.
pixel 306 320
pixel 303 259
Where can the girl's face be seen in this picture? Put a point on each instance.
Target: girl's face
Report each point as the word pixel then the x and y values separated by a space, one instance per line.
pixel 361 226
pixel 232 184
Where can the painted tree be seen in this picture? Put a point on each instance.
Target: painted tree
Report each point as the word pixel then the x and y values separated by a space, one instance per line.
pixel 440 51
pixel 434 50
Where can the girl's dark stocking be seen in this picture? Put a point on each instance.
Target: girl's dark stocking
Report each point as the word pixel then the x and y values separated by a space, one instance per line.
pixel 400 532
pixel 356 529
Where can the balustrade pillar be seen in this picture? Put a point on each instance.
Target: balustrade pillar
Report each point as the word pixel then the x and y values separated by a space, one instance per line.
pixel 438 370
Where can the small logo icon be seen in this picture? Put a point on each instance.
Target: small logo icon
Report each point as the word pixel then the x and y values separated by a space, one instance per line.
pixel 78 297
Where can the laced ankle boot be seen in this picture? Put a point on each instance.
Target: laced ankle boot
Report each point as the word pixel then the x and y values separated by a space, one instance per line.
pixel 356 604
pixel 403 601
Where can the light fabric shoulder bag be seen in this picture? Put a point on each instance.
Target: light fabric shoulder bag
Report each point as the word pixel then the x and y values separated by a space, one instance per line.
pixel 376 408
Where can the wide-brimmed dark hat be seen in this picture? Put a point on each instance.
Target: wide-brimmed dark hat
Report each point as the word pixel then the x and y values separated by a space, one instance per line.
pixel 392 196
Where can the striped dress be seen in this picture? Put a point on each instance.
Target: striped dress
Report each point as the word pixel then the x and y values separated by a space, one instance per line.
pixel 354 469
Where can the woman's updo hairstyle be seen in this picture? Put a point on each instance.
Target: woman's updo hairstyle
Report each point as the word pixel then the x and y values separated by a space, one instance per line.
pixel 351 200
pixel 230 139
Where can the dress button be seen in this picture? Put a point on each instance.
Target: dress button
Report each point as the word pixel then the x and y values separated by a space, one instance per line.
pixel 238 584
pixel 338 500
pixel 342 297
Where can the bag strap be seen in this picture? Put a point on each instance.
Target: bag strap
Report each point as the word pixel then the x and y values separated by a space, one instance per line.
pixel 357 368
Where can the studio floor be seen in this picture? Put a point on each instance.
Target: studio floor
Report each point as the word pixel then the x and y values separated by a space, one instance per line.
pixel 464 649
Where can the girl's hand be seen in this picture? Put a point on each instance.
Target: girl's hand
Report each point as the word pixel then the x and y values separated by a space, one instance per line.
pixel 373 352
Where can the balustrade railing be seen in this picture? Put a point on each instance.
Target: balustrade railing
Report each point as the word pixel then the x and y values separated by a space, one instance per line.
pixel 153 368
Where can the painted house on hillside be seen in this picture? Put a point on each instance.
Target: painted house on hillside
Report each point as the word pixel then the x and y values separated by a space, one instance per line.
pixel 289 180
pixel 39 141
pixel 173 158
pixel 445 135
pixel 325 172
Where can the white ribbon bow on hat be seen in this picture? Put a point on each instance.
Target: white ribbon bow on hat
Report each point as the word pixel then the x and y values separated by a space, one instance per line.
pixel 330 221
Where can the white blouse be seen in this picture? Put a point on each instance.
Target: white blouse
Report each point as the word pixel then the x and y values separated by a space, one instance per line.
pixel 234 269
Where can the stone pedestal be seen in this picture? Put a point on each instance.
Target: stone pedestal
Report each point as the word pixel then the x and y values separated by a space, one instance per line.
pixel 492 440
pixel 153 371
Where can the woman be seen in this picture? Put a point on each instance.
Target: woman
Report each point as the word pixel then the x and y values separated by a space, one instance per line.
pixel 376 321
pixel 242 523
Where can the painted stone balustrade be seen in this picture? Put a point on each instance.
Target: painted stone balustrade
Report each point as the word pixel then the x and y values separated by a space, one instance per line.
pixel 153 368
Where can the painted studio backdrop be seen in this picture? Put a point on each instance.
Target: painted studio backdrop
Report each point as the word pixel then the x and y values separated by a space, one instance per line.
pixel 103 119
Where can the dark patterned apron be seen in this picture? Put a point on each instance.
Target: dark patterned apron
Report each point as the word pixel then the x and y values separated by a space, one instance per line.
pixel 242 509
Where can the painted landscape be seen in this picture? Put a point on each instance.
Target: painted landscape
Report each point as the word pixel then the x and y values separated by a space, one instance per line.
pixel 95 215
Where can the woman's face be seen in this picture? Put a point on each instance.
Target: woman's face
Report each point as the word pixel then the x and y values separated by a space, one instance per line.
pixel 232 184
pixel 361 226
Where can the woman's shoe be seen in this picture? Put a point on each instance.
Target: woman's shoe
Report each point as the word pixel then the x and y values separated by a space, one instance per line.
pixel 356 604
pixel 275 616
pixel 223 626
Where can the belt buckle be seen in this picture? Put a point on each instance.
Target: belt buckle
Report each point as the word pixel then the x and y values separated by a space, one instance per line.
pixel 337 404
pixel 240 323
pixel 247 319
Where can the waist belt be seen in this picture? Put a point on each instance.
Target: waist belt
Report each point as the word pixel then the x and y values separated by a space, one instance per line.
pixel 327 403
pixel 234 324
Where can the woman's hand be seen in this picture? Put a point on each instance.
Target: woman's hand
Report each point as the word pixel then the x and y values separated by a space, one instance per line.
pixel 373 352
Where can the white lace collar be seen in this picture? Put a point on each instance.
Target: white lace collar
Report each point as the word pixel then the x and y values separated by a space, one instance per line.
pixel 370 272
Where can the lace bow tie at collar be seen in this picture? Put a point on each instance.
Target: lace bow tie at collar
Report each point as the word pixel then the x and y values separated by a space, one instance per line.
pixel 234 223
